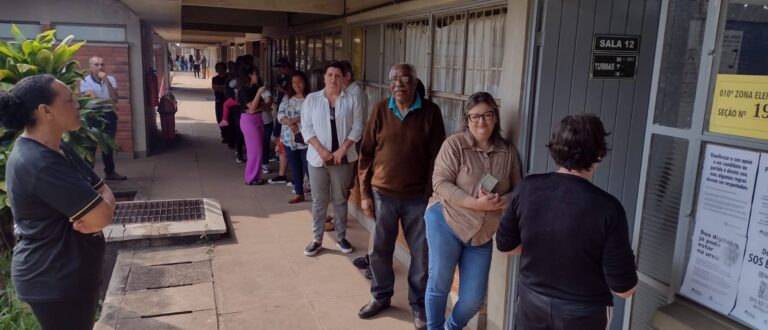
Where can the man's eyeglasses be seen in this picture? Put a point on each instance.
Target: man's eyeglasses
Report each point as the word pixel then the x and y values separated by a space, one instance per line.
pixel 406 80
pixel 98 64
pixel 475 118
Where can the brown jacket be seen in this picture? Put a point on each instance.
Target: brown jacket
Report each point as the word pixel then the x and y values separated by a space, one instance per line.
pixel 458 169
pixel 397 156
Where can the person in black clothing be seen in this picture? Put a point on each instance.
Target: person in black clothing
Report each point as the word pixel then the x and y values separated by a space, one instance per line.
pixel 219 84
pixel 59 205
pixel 572 236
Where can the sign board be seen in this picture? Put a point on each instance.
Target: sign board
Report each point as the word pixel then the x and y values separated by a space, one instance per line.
pixel 612 43
pixel 608 66
pixel 740 106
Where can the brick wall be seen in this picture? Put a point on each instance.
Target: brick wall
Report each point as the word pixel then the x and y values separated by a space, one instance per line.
pixel 117 65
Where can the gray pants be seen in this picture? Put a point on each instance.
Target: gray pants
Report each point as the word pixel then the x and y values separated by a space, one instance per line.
pixel 391 213
pixel 330 184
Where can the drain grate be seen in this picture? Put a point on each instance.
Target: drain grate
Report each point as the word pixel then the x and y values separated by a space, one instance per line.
pixel 159 211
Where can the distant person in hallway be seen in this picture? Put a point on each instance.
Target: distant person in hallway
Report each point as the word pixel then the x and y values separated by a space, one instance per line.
pixel 289 115
pixel 397 156
pixel 331 124
pixel 219 85
pixel 99 85
pixel 190 62
pixel 59 205
pixel 204 67
pixel 196 67
pixel 569 284
pixel 463 214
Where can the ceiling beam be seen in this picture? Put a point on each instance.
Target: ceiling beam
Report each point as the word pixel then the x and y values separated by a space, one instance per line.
pixel 326 7
pixel 226 16
pixel 221 28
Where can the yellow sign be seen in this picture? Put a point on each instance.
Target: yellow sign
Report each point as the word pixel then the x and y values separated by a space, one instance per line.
pixel 740 106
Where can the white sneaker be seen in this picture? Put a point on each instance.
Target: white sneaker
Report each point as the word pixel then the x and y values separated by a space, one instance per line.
pixel 265 169
pixel 289 184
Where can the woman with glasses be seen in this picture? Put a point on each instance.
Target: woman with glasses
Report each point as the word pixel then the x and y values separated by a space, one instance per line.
pixel 475 173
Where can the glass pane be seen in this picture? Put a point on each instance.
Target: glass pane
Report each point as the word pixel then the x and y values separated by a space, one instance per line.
pixel 28 30
pixel 394 49
pixel 646 301
pixel 301 51
pixel 90 33
pixel 740 100
pixel 452 111
pixel 328 55
pixel 357 52
pixel 664 187
pixel 417 46
pixel 449 43
pixel 338 46
pixel 680 62
pixel 485 51
pixel 373 53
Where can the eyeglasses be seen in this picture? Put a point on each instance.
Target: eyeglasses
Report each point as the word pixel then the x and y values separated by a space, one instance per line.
pixel 486 116
pixel 98 64
pixel 406 80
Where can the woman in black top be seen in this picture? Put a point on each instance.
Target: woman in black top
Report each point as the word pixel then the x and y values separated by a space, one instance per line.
pixel 59 205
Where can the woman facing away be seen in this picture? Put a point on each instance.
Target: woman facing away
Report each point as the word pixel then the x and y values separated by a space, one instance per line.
pixel 59 205
pixel 475 172
pixel 289 114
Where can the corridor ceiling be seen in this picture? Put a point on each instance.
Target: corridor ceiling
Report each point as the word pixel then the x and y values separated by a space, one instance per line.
pixel 222 21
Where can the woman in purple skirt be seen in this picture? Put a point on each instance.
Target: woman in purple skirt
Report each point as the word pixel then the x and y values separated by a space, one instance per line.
pixel 251 124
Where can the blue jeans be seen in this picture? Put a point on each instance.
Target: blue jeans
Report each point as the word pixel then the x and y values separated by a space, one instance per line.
pixel 445 252
pixel 297 160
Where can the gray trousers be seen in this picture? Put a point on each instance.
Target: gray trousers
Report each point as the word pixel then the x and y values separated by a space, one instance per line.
pixel 330 184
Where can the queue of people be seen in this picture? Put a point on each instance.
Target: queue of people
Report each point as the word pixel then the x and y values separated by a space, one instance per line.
pixel 452 194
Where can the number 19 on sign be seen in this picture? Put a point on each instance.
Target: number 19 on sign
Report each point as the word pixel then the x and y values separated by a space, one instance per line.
pixel 761 110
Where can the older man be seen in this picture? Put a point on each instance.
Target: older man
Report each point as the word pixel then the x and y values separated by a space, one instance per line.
pixel 397 155
pixel 100 85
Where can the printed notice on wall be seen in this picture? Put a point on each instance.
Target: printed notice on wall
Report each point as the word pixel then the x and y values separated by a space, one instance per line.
pixel 758 224
pixel 727 184
pixel 740 106
pixel 713 270
pixel 752 301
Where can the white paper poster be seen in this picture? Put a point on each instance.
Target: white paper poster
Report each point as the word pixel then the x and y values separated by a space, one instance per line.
pixel 731 50
pixel 752 302
pixel 727 184
pixel 758 225
pixel 712 276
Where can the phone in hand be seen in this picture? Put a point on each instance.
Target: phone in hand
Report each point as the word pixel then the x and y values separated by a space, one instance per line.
pixel 488 183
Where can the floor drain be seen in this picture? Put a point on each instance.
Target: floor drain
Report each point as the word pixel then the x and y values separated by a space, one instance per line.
pixel 159 211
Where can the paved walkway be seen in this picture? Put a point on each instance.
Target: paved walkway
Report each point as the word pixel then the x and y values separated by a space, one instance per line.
pixel 261 278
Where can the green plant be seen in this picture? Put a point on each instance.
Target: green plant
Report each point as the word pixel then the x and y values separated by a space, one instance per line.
pixel 14 314
pixel 25 57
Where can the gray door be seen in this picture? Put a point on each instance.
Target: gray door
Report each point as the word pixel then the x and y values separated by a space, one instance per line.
pixel 562 85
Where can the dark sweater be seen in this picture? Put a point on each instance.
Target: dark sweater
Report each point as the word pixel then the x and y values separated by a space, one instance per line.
pixel 575 239
pixel 397 157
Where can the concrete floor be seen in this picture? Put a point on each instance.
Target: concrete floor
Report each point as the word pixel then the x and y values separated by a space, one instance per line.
pixel 261 278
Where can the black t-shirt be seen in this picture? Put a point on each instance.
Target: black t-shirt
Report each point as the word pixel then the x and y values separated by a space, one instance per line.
pixel 47 191
pixel 217 80
pixel 285 83
pixel 575 239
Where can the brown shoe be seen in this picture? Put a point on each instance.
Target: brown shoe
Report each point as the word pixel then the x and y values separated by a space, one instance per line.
pixel 296 199
pixel 329 226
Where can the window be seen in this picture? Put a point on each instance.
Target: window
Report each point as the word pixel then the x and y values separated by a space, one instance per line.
pixel 449 43
pixel 373 53
pixel 485 51
pixel 338 46
pixel 417 46
pixel 394 47
pixel 328 55
pixel 29 30
pixel 357 52
pixel 680 63
pixel 91 33
pixel 740 98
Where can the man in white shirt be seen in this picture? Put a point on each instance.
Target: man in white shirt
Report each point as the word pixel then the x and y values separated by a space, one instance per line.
pixel 98 84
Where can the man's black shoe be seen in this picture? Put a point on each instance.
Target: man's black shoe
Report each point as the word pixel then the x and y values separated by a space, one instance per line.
pixel 362 262
pixel 372 308
pixel 419 319
pixel 368 274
